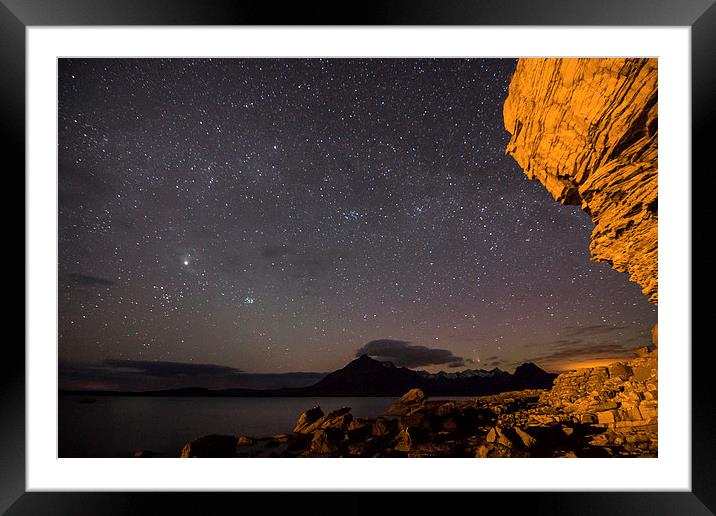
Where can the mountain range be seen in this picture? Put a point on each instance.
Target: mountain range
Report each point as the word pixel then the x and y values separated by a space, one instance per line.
pixel 366 376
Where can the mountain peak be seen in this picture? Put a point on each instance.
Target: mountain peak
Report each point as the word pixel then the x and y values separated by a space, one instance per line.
pixel 363 359
pixel 528 367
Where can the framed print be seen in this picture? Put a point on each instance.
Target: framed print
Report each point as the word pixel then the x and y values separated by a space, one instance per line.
pixel 412 250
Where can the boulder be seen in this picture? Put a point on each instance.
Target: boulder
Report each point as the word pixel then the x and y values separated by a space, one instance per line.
pixel 413 397
pixel 408 402
pixel 324 443
pixel 409 438
pixel 306 421
pixel 339 419
pixel 527 440
pixel 497 435
pixel 245 440
pixel 607 417
pixel 211 446
pixel 619 371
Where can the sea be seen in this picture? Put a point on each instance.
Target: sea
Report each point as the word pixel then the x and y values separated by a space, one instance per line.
pixel 118 426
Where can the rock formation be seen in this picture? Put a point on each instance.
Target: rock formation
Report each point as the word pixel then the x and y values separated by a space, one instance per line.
pixel 587 130
pixel 600 412
pixel 621 398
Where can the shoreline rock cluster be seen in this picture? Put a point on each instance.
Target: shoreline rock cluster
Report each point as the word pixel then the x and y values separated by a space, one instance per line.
pixel 596 412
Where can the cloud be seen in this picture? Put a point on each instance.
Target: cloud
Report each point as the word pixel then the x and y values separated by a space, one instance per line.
pixel 314 266
pixel 145 375
pixel 163 368
pixel 87 280
pixel 276 251
pixel 563 355
pixel 301 264
pixel 403 353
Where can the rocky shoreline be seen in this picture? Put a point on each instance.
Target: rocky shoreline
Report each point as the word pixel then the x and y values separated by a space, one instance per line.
pixel 597 412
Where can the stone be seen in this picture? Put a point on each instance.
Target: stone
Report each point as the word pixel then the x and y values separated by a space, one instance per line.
pixel 323 443
pixel 408 438
pixel 497 435
pixel 643 373
pixel 306 421
pixel 588 419
pixel 245 440
pixel 599 440
pixel 407 403
pixel 339 419
pixel 642 351
pixel 527 440
pixel 358 424
pixel 492 450
pixel 211 446
pixel 619 371
pixel 413 397
pixel 649 409
pixel 606 417
pixel 382 427
pixel 607 405
pixel 586 128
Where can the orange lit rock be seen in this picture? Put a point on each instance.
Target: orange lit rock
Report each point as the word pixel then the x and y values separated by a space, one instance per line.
pixel 587 130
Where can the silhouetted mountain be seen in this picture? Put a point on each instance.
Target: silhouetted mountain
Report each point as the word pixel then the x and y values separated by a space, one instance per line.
pixel 365 376
pixel 529 376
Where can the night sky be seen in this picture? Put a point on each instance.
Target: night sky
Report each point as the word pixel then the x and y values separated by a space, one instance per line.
pixel 276 215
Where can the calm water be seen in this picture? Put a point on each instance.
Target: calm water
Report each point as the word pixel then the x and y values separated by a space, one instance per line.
pixel 118 426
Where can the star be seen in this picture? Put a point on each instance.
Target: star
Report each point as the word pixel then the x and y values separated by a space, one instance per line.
pixel 333 201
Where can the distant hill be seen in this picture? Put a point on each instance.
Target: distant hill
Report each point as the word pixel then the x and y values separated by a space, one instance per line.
pixel 365 376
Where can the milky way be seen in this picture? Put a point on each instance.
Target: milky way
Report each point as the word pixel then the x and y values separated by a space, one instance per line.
pixel 278 214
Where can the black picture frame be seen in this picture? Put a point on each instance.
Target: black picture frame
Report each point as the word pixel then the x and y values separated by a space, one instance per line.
pixel 17 15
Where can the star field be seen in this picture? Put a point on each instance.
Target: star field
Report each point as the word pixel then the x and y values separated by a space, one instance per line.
pixel 277 214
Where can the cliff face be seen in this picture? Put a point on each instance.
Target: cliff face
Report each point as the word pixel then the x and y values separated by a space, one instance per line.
pixel 587 130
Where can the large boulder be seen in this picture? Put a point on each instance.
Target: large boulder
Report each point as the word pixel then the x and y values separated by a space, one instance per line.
pixel 409 438
pixel 410 401
pixel 211 446
pixel 324 442
pixel 527 440
pixel 306 421
pixel 339 419
pixel 497 435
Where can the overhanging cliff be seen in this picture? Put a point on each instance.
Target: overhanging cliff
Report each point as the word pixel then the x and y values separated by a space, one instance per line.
pixel 587 130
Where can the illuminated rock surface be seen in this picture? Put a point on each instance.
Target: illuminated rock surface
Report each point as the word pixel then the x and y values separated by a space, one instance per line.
pixel 587 130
